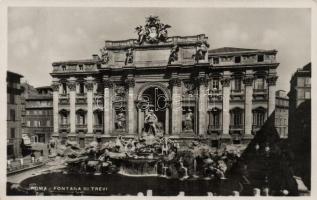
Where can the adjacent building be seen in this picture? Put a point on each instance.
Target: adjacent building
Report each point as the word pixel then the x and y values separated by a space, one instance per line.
pixel 14 110
pixel 38 118
pixel 190 91
pixel 300 122
pixel 281 113
pixel 300 92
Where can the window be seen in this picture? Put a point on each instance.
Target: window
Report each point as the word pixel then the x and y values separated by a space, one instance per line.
pixel 12 133
pixel 237 84
pixel 12 99
pixel 28 124
pixel 12 114
pixel 64 68
pixel 81 120
pixel 64 119
pixel 307 81
pixel 237 59
pixel 300 94
pixel 301 81
pixel 98 118
pixel 81 67
pixel 48 123
pixel 236 117
pixel 64 87
pixel 216 60
pixel 259 116
pixel 259 84
pixel 307 95
pixel 260 58
pixel 214 119
pixel 81 88
pixel 214 84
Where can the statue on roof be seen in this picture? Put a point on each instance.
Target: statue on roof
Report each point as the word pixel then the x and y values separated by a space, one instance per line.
pixel 153 31
pixel 104 55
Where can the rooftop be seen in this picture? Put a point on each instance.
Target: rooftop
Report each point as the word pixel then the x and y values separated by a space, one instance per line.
pixel 228 50
pixel 10 73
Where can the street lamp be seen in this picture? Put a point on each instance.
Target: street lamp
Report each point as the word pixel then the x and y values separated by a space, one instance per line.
pixel 257 147
pixel 267 150
pixel 266 178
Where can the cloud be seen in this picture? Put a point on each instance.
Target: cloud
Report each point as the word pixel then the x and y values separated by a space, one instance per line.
pixel 232 33
pixel 22 40
pixel 271 37
pixel 75 37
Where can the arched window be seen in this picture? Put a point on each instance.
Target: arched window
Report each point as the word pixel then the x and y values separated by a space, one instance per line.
pixel 236 118
pixel 63 117
pixel 81 117
pixel 259 117
pixel 98 115
pixel 214 118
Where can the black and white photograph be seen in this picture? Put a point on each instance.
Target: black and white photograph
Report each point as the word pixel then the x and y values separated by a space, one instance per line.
pixel 157 100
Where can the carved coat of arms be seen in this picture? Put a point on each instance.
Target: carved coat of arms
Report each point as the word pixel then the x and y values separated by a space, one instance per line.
pixel 153 31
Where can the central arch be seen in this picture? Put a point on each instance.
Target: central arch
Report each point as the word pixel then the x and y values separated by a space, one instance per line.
pixel 156 97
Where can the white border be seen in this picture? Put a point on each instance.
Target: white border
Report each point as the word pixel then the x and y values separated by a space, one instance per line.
pixel 143 3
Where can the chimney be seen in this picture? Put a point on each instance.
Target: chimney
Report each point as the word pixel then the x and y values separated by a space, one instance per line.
pixel 95 57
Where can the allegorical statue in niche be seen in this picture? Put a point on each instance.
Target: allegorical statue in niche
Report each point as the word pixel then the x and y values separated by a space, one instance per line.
pixel 150 122
pixel 120 118
pixel 174 54
pixel 129 56
pixel 188 124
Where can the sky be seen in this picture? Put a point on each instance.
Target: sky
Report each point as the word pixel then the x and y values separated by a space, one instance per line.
pixel 39 36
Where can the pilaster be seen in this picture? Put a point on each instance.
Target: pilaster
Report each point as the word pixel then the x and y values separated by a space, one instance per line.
pixel 72 99
pixel 55 87
pixel 175 84
pixel 130 82
pixel 107 101
pixel 248 83
pixel 202 105
pixel 271 81
pixel 89 87
pixel 225 82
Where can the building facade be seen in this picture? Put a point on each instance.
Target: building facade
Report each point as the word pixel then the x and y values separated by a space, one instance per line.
pixel 223 94
pixel 281 113
pixel 14 110
pixel 300 87
pixel 299 136
pixel 300 92
pixel 38 117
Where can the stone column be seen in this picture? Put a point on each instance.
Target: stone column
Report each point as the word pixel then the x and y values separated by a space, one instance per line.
pixel 248 83
pixel 271 80
pixel 72 101
pixel 225 81
pixel 176 106
pixel 89 87
pixel 130 84
pixel 106 104
pixel 202 106
pixel 55 87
